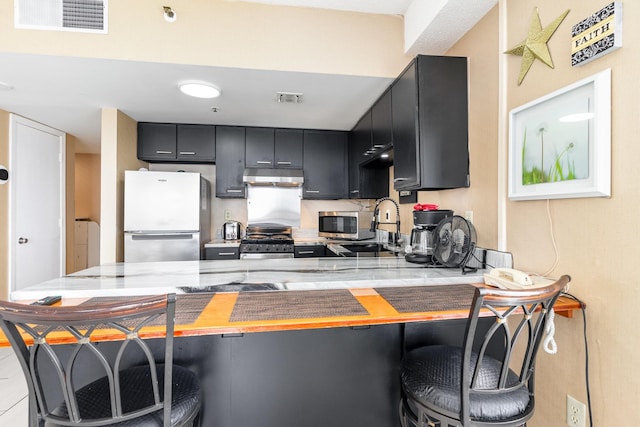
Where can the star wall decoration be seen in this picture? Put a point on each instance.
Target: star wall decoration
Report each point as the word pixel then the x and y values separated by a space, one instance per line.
pixel 535 45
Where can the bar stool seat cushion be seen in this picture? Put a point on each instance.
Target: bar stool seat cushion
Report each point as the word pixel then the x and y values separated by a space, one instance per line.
pixel 94 401
pixel 431 376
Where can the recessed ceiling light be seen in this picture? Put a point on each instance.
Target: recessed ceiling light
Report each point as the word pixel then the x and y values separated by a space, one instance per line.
pixel 199 90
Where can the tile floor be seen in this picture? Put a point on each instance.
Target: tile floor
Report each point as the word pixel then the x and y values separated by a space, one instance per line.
pixel 13 390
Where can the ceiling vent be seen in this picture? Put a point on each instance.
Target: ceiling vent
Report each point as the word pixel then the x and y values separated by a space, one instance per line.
pixel 63 15
pixel 288 97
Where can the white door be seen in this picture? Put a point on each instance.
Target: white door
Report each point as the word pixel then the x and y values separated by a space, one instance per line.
pixel 37 193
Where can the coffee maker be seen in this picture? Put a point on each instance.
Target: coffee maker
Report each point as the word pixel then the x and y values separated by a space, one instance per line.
pixel 422 239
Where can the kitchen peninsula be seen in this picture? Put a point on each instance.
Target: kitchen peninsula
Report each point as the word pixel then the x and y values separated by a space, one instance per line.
pixel 291 342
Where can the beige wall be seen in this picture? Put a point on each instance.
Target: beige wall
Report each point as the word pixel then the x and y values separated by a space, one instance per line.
pixel 119 138
pixel 596 237
pixel 229 34
pixel 480 45
pixel 4 207
pixel 87 177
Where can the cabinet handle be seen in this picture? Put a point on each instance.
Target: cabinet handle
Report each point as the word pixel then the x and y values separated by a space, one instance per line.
pixel 229 190
pixel 187 153
pixel 226 253
pixel 378 145
pixel 163 152
pixel 263 162
pixel 400 179
pixel 313 191
pixel 355 191
pixel 305 252
pixel 283 163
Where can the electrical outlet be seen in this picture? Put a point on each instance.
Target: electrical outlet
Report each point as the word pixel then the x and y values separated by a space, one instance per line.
pixel 227 214
pixel 468 215
pixel 576 412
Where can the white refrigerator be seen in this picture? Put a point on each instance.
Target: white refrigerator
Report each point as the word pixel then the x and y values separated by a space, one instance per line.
pixel 166 216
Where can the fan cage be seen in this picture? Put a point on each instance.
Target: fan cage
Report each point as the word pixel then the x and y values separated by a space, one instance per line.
pixel 455 242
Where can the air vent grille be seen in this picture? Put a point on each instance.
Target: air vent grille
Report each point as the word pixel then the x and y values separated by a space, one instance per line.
pixel 65 15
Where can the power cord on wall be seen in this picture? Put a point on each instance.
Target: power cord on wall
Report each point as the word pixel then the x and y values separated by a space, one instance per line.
pixel 586 352
pixel 553 241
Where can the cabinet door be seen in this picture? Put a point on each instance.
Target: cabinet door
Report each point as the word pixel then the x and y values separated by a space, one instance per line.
pixel 230 161
pixel 288 148
pixel 309 251
pixel 359 144
pixel 325 164
pixel 196 143
pixel 219 253
pixel 259 148
pixel 443 118
pixel 381 131
pixel 404 108
pixel 157 142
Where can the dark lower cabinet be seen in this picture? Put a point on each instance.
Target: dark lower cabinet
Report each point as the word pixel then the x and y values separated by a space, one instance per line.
pixel 309 251
pixel 312 378
pixel 230 152
pixel 220 253
pixel 325 165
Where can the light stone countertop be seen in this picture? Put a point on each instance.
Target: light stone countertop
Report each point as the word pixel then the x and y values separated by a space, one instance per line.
pixel 279 274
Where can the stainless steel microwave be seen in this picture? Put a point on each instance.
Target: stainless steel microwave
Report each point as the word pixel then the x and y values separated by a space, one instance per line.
pixel 349 225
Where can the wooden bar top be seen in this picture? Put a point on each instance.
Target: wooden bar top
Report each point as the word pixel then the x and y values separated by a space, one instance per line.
pixel 218 313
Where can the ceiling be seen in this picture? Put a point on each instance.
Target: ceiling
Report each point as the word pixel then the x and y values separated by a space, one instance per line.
pixel 41 88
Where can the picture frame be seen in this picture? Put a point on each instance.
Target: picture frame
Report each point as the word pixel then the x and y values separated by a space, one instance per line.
pixel 560 144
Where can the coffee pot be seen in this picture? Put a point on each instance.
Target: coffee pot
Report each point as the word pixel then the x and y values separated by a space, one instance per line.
pixel 422 238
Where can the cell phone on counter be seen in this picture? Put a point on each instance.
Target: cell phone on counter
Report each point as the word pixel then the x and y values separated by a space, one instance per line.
pixel 48 300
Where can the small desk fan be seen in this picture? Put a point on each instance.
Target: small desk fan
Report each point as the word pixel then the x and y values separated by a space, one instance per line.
pixel 455 241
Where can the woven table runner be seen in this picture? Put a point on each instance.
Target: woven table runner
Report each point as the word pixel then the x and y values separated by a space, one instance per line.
pixel 188 306
pixel 418 299
pixel 252 306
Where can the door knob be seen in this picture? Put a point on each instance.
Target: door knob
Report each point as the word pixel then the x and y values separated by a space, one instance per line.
pixel 22 240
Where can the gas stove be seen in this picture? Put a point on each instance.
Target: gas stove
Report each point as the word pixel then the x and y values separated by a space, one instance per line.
pixel 267 240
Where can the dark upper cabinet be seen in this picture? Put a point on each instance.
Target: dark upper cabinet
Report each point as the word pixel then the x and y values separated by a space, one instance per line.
pixel 260 147
pixel 430 124
pixel 288 148
pixel 157 142
pixel 381 129
pixel 196 143
pixel 230 152
pixel 325 165
pixel 274 148
pixel 365 183
pixel 180 143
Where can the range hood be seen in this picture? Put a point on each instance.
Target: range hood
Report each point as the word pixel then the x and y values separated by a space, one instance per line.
pixel 276 177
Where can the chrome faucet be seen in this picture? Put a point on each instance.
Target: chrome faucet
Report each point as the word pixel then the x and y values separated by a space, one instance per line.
pixel 376 212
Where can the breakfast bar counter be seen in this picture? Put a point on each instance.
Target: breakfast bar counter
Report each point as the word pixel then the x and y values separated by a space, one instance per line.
pixel 313 342
pixel 237 296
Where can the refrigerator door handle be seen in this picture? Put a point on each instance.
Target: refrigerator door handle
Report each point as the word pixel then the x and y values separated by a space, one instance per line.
pixel 179 236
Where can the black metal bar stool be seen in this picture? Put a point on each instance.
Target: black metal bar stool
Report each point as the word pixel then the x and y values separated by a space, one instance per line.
pixel 477 385
pixel 111 390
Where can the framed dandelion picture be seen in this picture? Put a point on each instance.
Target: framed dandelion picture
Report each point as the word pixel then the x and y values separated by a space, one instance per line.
pixel 560 144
